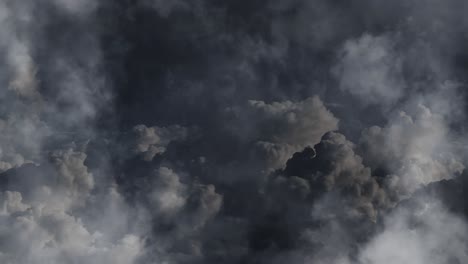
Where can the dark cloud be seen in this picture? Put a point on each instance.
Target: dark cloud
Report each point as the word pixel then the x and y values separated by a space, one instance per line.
pixel 207 131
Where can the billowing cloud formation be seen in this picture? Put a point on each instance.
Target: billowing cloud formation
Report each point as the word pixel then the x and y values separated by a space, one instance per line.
pixel 370 69
pixel 425 234
pixel 137 132
pixel 282 128
pixel 21 126
pixel 41 220
pixel 34 104
pixel 48 97
pixel 177 212
pixel 299 124
pixel 154 140
pixel 336 168
pixel 413 147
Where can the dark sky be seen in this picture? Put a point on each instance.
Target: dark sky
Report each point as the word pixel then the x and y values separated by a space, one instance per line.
pixel 210 131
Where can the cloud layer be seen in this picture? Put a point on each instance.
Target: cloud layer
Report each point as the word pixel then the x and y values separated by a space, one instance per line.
pixel 272 131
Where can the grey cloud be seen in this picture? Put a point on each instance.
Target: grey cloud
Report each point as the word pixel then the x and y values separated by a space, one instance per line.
pixel 31 113
pixel 371 69
pixel 287 127
pixel 271 180
pixel 80 8
pixel 22 128
pixel 47 204
pixel 153 140
pixel 425 234
pixel 165 8
pixel 74 175
pixel 178 213
pixel 44 220
pixel 169 194
pixel 336 169
pixel 275 154
pixel 295 123
pixel 414 146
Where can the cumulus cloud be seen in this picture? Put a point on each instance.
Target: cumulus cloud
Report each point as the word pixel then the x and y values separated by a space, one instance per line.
pixel 22 129
pixel 34 106
pixel 169 194
pixel 357 117
pixel 413 146
pixel 43 219
pixel 282 128
pixel 334 169
pixel 371 69
pixel 170 197
pixel 40 233
pixel 177 212
pixel 47 192
pixel 427 233
pixel 295 123
pixel 151 141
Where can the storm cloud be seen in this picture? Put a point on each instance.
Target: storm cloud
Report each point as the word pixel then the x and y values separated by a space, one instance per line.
pixel 265 131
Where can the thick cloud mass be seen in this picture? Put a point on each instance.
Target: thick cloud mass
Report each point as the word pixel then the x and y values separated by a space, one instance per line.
pixel 264 131
pixel 154 140
pixel 370 69
pixel 335 167
pixel 282 128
